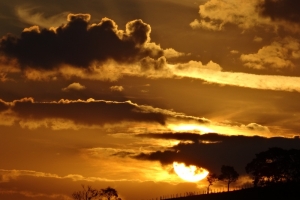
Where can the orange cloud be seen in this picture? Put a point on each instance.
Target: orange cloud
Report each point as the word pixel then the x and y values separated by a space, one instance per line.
pixel 74 86
pixel 117 88
pixel 64 114
pixel 216 14
pixel 79 47
pixel 278 55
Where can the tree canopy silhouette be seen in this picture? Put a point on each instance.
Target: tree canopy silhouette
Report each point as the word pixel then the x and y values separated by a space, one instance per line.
pixel 109 193
pixel 89 193
pixel 211 178
pixel 275 165
pixel 228 174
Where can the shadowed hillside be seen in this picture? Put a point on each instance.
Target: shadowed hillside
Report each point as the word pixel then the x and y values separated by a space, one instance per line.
pixel 278 192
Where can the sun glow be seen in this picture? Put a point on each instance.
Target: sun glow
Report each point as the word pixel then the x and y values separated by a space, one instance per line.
pixel 189 173
pixel 190 127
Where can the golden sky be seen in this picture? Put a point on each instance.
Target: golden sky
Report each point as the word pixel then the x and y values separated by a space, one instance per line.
pixel 118 93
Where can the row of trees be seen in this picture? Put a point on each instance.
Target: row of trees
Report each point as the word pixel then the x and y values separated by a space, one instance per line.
pixel 270 167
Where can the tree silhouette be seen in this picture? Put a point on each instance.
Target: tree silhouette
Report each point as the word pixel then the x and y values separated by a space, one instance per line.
pixel 228 174
pixel 211 178
pixel 109 193
pixel 86 193
pixel 275 165
pixel 90 193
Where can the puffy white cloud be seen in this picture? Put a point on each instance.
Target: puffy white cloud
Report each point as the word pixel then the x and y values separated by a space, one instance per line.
pixel 74 86
pixel 196 67
pixel 171 53
pixel 118 88
pixel 215 14
pixel 257 127
pixel 278 55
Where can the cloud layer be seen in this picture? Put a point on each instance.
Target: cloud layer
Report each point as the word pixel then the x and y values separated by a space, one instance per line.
pixel 64 114
pixel 211 151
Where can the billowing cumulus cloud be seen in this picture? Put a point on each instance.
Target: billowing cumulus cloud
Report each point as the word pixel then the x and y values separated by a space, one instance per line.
pixel 79 47
pixel 74 86
pixel 197 66
pixel 215 14
pixel 171 53
pixel 79 44
pixel 278 55
pixel 211 151
pixel 257 127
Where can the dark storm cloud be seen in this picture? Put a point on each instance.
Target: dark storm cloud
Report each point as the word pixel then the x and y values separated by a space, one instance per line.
pixel 281 9
pixel 79 44
pixel 213 150
pixel 85 112
pixel 88 112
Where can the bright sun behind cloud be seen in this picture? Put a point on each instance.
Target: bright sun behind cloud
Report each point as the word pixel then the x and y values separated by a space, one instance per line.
pixel 189 173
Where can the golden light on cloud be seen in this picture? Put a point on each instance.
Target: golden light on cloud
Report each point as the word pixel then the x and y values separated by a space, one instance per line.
pixel 189 173
pixel 190 128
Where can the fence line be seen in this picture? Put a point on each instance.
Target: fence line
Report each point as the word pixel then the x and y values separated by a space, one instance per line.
pixel 188 194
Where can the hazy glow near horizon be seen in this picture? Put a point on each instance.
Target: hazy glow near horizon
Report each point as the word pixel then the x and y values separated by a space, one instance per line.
pixel 190 127
pixel 189 173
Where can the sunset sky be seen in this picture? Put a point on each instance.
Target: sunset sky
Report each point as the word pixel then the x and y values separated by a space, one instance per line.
pixel 112 92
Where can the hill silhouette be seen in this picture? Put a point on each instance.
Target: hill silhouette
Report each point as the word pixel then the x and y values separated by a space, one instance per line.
pixel 287 191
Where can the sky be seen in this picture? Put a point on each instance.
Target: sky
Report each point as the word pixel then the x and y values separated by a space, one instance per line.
pixel 112 93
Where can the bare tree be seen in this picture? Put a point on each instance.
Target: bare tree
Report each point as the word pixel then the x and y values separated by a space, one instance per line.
pixel 89 193
pixel 86 194
pixel 228 174
pixel 211 178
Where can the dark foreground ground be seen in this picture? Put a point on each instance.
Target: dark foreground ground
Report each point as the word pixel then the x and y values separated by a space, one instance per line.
pixel 278 192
